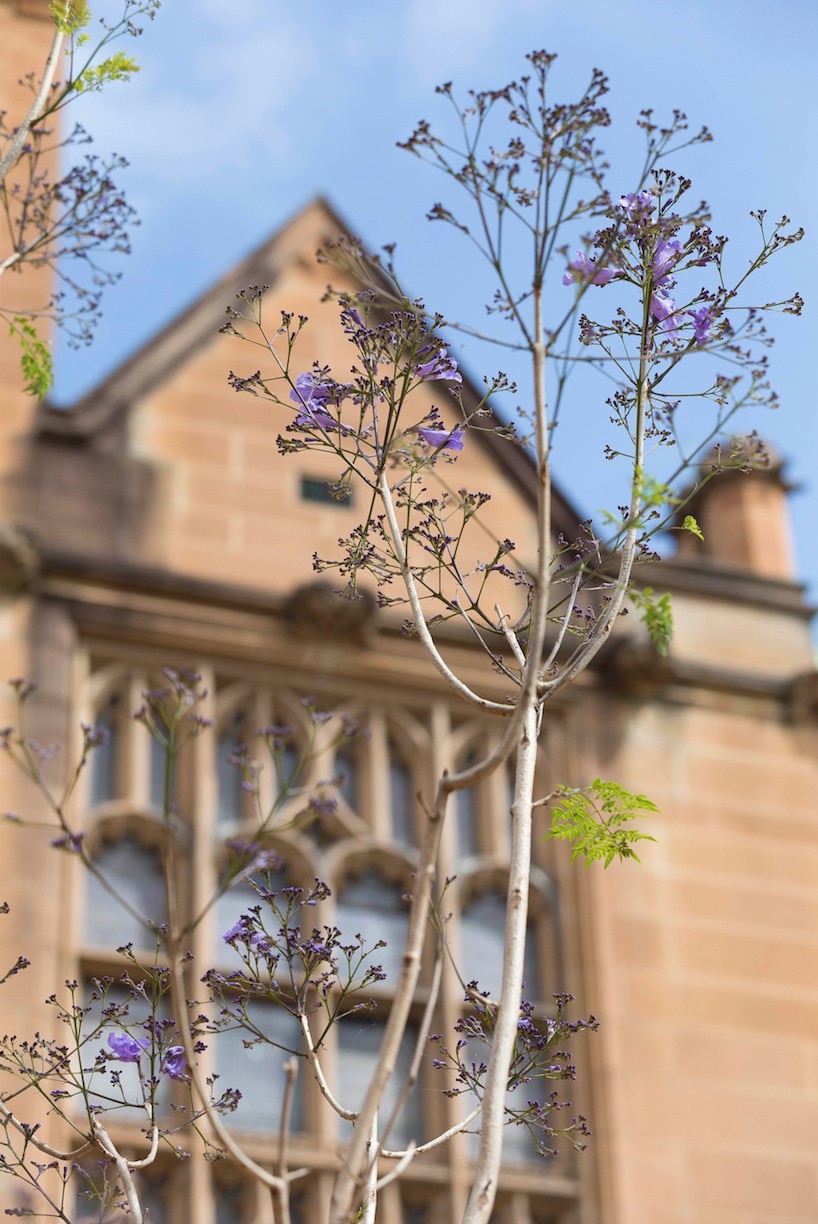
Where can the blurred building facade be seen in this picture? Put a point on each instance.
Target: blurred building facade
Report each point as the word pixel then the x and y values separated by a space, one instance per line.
pixel 156 524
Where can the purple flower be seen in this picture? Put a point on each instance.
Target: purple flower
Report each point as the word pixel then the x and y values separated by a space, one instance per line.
pixel 444 439
pixel 637 204
pixel 351 315
pixel 440 366
pixel 317 418
pixel 127 1049
pixel 174 1063
pixel 236 931
pixel 258 942
pixel 663 309
pixel 314 396
pixel 582 268
pixel 69 841
pixel 308 391
pixel 702 323
pixel 664 257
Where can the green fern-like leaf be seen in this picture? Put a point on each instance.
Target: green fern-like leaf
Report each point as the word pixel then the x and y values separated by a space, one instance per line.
pixel 35 358
pixel 657 616
pixel 118 67
pixel 70 15
pixel 594 820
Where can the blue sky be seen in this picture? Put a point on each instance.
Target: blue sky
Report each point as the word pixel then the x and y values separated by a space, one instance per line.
pixel 244 111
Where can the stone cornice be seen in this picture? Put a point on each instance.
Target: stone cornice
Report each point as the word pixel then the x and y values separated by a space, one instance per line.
pixel 717 581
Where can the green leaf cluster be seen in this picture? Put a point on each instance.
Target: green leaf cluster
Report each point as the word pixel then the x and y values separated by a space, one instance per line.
pixel 35 358
pixel 70 15
pixel 594 820
pixel 692 526
pixel 118 67
pixel 657 616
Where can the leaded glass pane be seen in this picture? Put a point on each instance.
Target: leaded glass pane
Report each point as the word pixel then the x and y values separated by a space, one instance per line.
pixel 257 1070
pixel 135 876
pixel 482 933
pixel 230 1205
pixel 359 1043
pixel 104 759
pixel 401 799
pixel 158 768
pixel 347 771
pixel 370 907
pixel 467 814
pixel 231 793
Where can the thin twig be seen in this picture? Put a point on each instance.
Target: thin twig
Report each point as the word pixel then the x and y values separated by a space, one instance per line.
pixel 28 1134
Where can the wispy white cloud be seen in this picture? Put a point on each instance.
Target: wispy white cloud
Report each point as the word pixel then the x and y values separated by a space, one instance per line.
pixel 444 36
pixel 207 102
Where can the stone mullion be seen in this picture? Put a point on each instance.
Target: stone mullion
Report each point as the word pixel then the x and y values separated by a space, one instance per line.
pixel 134 766
pixel 263 716
pixel 200 1200
pixel 200 1204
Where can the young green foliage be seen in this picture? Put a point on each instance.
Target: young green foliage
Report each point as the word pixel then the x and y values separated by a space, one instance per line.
pixel 35 358
pixel 594 821
pixel 117 67
pixel 657 616
pixel 70 15
pixel 692 526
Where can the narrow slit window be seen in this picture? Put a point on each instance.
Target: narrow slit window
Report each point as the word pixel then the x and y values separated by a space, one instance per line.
pixel 315 489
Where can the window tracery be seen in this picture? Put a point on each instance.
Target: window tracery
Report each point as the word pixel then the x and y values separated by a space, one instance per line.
pixel 361 838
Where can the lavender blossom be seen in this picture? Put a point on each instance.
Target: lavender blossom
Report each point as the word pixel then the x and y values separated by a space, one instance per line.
pixel 663 309
pixel 702 324
pixel 236 931
pixel 126 1048
pixel 582 268
pixel 441 366
pixel 443 439
pixel 313 397
pixel 174 1063
pixel 637 204
pixel 317 418
pixel 665 256
pixel 308 391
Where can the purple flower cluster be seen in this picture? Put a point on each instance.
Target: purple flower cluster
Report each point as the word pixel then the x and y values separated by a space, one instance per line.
pixel 582 269
pixel 439 366
pixel 130 1049
pixel 245 932
pixel 443 439
pixel 316 394
pixel 313 395
pixel 637 210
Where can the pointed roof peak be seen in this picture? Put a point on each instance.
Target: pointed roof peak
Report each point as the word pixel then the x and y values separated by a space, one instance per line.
pixel 153 363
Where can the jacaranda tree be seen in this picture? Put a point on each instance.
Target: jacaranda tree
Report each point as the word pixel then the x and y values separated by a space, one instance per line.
pixel 627 279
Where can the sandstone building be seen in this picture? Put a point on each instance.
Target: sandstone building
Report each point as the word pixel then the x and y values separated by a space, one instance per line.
pixel 156 524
